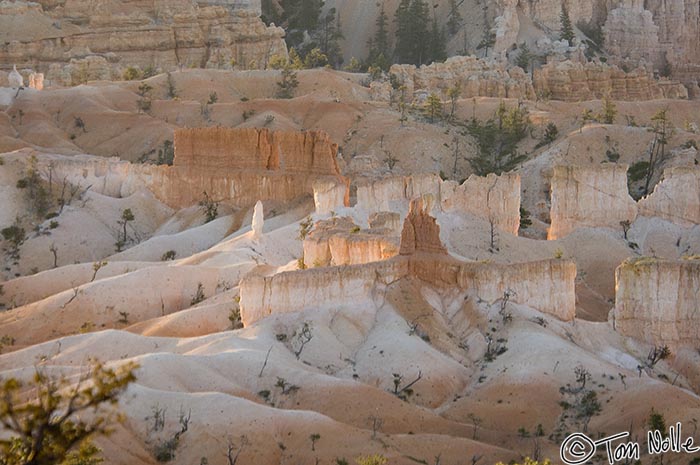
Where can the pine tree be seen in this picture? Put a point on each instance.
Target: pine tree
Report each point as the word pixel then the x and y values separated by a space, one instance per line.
pixel 403 32
pixel 524 57
pixel 412 34
pixel 438 43
pixel 328 37
pixel 378 45
pixel 567 29
pixel 455 18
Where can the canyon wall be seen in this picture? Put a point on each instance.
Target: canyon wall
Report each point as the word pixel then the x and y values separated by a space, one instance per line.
pixel 475 78
pixel 296 291
pixel 657 301
pixel 338 241
pixel 675 198
pixel 598 197
pixel 56 38
pixel 234 166
pixel 589 197
pixel 548 286
pixel 493 198
pixel 569 81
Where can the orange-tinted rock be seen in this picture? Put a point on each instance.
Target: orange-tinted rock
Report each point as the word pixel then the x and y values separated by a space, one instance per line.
pixel 421 232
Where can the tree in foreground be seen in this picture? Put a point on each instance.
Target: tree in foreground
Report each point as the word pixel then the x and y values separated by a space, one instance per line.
pixel 567 29
pixel 50 420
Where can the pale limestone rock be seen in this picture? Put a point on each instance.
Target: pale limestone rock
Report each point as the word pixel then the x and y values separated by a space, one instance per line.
pixel 338 241
pixel 15 79
pixel 329 195
pixel 258 220
pixel 657 301
pixel 36 81
pixel 676 198
pixel 589 197
pixel 631 34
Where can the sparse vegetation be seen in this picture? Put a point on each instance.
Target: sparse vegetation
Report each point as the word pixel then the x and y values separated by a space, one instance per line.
pixel 209 207
pixel 287 84
pixel 169 255
pixel 47 418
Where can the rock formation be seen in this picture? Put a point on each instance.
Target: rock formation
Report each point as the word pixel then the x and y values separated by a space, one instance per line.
pixel 676 198
pixel 48 35
pixel 258 220
pixel 571 81
pixel 589 197
pixel 657 301
pixel 330 195
pixel 548 286
pixel 15 79
pixel 493 198
pixel 421 232
pixel 475 77
pixel 234 166
pixel 630 33
pixel 338 241
pixel 599 197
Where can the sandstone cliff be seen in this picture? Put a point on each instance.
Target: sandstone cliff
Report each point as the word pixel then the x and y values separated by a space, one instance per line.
pixel 599 197
pixel 57 37
pixel 657 301
pixel 548 286
pixel 589 197
pixel 338 241
pixel 493 198
pixel 237 167
pixel 571 81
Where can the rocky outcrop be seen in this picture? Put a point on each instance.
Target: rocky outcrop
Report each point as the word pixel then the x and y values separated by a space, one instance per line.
pixel 631 34
pixel 475 78
pixel 676 198
pixel 330 195
pixel 48 36
pixel 599 197
pixel 338 241
pixel 421 232
pixel 589 197
pixel 258 220
pixel 548 286
pixel 571 81
pixel 316 288
pixel 657 301
pixel 493 198
pixel 234 166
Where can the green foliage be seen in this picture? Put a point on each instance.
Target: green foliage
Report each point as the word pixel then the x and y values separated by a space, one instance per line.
pixel 327 38
pixel 127 216
pixel 454 18
pixel 45 428
pixel 567 29
pixel 524 57
pixel 525 220
pixel 497 140
pixel 305 228
pixel 608 112
pixel 372 460
pixel 433 107
pixel 315 59
pixel 131 74
pixel 166 153
pixel 209 207
pixel 551 133
pixel 169 255
pixel 288 84
pixel 170 89
pixel 413 37
pixel 378 46
pixel 87 454
pixel 595 38
pixel 198 296
pixel 213 98
pixel 37 195
pixel 15 235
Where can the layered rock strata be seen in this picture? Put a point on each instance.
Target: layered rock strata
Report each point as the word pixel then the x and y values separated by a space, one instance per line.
pixel 493 198
pixel 657 301
pixel 52 36
pixel 234 166
pixel 599 197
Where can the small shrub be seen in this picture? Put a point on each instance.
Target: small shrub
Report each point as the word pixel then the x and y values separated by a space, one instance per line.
pixel 131 74
pixel 169 255
pixel 199 296
pixel 305 228
pixel 213 98
pixel 372 460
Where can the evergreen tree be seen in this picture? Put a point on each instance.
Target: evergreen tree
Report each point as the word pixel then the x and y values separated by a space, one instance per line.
pixel 378 45
pixel 454 21
pixel 524 57
pixel 567 29
pixel 488 40
pixel 412 33
pixel 328 37
pixel 438 43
